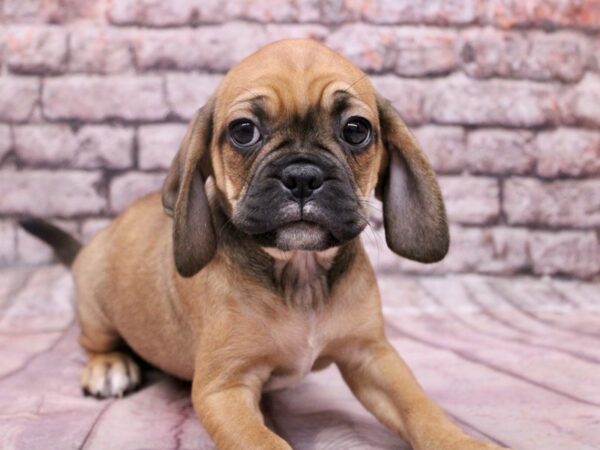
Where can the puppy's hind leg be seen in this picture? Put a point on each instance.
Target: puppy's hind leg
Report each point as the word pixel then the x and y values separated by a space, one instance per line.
pixel 110 370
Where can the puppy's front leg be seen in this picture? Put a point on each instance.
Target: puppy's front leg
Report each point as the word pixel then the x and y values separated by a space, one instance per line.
pixel 231 415
pixel 386 386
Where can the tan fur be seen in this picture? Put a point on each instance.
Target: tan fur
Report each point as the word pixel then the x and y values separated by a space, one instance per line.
pixel 224 328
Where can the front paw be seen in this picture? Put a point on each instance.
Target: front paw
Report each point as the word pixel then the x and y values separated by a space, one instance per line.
pixel 110 375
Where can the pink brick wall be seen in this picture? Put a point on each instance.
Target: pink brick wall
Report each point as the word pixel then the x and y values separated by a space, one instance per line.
pixel 504 96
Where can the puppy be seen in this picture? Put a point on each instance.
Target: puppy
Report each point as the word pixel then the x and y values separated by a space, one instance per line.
pixel 247 271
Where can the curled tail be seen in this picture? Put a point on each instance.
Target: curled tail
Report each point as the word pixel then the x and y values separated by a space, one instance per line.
pixel 64 245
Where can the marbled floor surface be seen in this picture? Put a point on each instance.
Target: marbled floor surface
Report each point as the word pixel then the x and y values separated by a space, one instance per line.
pixel 512 360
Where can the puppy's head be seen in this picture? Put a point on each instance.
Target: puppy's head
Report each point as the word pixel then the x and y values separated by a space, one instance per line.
pixel 296 139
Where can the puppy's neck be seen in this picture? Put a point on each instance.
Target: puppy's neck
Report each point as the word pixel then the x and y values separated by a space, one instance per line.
pixel 302 276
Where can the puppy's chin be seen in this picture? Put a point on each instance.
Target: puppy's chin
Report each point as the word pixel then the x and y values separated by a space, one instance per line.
pixel 303 236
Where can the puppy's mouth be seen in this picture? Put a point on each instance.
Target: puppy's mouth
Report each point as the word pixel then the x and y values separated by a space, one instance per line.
pixel 298 235
pixel 303 235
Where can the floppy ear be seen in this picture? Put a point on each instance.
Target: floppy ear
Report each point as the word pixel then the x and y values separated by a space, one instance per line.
pixel 413 209
pixel 184 198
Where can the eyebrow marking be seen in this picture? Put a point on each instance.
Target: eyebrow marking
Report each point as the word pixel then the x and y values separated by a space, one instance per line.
pixel 255 104
pixel 343 92
pixel 341 102
pixel 255 99
pixel 259 111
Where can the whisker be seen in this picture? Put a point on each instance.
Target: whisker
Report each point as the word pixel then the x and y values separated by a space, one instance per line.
pixel 222 229
pixel 357 81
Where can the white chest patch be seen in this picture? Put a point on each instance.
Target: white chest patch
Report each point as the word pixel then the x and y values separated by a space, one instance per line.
pixel 302 277
pixel 303 359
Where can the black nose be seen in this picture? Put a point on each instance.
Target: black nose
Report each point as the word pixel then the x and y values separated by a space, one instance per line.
pixel 302 179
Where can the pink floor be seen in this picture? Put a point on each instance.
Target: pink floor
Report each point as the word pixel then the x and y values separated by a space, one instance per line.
pixel 516 361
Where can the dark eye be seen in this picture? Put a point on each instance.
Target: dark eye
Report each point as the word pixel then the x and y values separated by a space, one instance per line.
pixel 356 131
pixel 243 133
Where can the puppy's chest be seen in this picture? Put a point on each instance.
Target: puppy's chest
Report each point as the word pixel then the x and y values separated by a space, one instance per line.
pixel 298 353
pixel 304 289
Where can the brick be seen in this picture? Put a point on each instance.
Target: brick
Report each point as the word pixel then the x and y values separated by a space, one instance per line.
pixel 425 52
pixel 125 189
pixel 31 250
pixel 581 104
pixel 214 48
pixel 409 51
pixel 92 10
pixel 371 48
pixel 40 144
pixel 499 152
pixel 186 93
pixel 52 11
pixel 99 98
pixel 46 193
pixel 571 253
pixel 489 52
pixel 91 227
pixel 273 10
pixel 22 10
pixel 18 97
pixel 277 32
pixel 445 147
pixel 494 250
pixel 8 243
pixel 5 141
pixel 459 100
pixel 189 12
pixel 171 49
pixel 100 50
pixel 420 11
pixel 158 144
pixel 339 11
pixel 558 203
pixel 561 55
pixel 471 200
pixel 161 14
pixel 545 13
pixel 407 96
pixel 89 147
pixel 567 151
pixel 100 146
pixel 538 56
pixel 36 49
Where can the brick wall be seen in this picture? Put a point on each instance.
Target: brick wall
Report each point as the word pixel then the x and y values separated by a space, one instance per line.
pixel 504 96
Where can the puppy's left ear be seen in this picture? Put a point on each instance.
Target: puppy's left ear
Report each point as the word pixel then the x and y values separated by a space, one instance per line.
pixel 413 209
pixel 184 197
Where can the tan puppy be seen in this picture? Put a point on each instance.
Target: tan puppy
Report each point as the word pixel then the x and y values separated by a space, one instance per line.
pixel 256 274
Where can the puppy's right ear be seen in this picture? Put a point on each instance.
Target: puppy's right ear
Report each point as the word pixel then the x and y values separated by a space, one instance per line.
pixel 184 198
